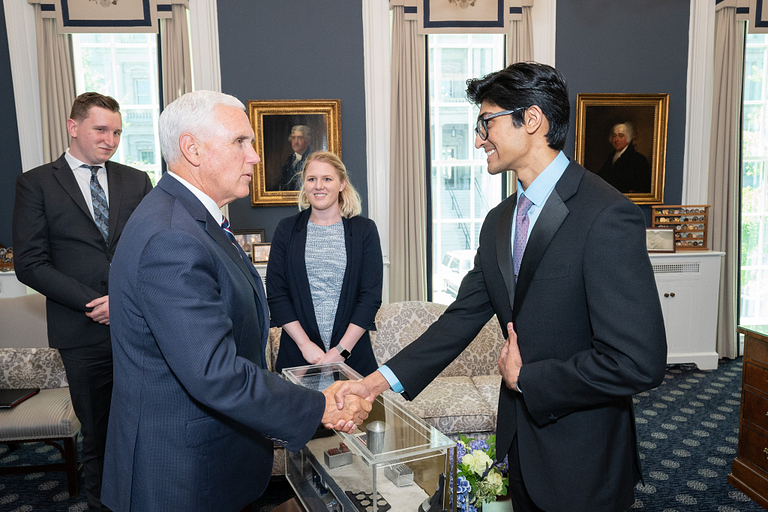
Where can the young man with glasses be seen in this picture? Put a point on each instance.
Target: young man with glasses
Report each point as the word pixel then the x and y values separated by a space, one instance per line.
pixel 563 265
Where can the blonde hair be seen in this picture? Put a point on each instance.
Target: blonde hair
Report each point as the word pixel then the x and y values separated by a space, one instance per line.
pixel 349 199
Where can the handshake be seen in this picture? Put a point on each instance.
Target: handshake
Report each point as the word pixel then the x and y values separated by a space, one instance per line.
pixel 347 404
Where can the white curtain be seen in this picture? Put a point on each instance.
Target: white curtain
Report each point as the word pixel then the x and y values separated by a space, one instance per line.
pixel 520 38
pixel 57 84
pixel 175 55
pixel 724 168
pixel 408 190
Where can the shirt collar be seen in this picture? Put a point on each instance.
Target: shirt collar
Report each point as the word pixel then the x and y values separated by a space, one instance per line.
pixel 74 163
pixel 209 203
pixel 542 186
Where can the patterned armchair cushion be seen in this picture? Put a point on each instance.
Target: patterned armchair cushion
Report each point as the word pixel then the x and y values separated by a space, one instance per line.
pixel 31 368
pixel 452 405
pixel 400 323
pixel 489 387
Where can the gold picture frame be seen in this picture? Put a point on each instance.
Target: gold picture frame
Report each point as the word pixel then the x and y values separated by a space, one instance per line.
pixel 596 117
pixel 272 121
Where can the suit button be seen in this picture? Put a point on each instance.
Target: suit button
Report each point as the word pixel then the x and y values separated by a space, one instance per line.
pixel 103 283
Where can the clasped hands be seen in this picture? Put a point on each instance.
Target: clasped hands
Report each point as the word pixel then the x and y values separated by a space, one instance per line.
pixel 510 361
pixel 351 411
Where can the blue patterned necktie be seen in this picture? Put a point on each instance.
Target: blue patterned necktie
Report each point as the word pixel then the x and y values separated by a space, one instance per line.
pixel 521 232
pixel 228 231
pixel 100 206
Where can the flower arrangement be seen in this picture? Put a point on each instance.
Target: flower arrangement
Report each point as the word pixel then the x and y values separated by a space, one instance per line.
pixel 479 477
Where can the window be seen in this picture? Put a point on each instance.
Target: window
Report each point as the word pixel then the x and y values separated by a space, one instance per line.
pixel 124 66
pixel 753 310
pixel 462 190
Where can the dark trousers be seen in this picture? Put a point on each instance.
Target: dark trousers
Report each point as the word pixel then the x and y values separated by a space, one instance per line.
pixel 89 372
pixel 521 500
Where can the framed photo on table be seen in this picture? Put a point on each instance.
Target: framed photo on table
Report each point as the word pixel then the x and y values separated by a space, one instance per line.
pixel 623 139
pixel 660 239
pixel 247 238
pixel 261 253
pixel 273 123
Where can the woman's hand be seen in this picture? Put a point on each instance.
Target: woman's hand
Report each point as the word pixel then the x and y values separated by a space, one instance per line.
pixel 312 353
pixel 332 356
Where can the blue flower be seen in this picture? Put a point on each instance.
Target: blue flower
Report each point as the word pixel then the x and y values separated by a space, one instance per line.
pixel 479 445
pixel 462 485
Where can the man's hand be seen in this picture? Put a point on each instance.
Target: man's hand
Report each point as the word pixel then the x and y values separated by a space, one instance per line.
pixel 510 361
pixel 345 418
pixel 100 311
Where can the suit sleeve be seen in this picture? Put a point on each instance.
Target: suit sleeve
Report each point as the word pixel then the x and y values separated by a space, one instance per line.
pixel 281 307
pixel 627 353
pixel 421 361
pixel 369 292
pixel 32 250
pixel 178 284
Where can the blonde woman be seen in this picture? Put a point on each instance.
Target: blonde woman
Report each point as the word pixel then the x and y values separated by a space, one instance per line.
pixel 325 272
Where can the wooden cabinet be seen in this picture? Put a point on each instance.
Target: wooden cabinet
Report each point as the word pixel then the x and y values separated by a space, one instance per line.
pixel 750 467
pixel 689 286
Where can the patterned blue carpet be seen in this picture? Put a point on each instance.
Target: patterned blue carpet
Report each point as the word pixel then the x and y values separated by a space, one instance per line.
pixel 687 429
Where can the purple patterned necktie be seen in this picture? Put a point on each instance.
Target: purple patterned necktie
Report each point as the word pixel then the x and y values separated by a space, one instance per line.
pixel 521 232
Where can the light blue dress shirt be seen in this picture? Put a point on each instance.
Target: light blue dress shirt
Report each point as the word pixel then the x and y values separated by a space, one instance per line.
pixel 538 193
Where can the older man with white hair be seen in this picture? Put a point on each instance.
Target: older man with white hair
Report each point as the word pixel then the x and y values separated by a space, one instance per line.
pixel 195 412
pixel 626 169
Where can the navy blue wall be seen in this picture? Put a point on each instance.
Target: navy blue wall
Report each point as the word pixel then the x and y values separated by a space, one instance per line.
pixel 9 134
pixel 294 49
pixel 629 47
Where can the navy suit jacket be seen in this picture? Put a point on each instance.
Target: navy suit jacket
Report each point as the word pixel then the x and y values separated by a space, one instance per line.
pixel 290 297
pixel 194 410
pixel 59 251
pixel 590 331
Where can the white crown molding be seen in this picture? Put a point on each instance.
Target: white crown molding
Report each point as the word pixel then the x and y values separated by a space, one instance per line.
pixel 698 109
pixel 22 47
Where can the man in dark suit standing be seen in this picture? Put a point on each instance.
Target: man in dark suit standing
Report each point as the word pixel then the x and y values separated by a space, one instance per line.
pixel 195 412
pixel 563 265
pixel 67 221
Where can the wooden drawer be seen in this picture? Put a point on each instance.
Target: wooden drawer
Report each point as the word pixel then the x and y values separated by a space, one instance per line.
pixel 753 447
pixel 755 410
pixel 755 376
pixel 755 348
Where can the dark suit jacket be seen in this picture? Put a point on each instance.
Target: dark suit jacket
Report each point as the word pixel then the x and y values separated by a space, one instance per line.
pixel 590 332
pixel 631 172
pixel 290 298
pixel 59 251
pixel 194 410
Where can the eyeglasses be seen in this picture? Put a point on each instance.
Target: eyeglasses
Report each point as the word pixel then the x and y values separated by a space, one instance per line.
pixel 481 129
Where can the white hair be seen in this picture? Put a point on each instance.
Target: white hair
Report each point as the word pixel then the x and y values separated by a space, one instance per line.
pixel 628 126
pixel 193 113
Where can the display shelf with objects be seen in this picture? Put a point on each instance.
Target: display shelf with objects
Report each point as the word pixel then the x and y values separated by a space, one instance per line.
pixel 394 461
pixel 689 286
pixel 689 222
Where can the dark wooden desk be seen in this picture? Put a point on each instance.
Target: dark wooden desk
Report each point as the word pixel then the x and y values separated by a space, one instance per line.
pixel 750 467
pixel 291 505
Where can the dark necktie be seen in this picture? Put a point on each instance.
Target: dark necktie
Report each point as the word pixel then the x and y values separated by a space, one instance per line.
pixel 100 206
pixel 521 232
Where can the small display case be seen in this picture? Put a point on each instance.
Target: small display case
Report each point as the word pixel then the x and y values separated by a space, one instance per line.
pixel 689 222
pixel 398 462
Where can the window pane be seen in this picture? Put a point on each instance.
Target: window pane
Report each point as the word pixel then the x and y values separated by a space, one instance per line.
pixel 462 190
pixel 753 309
pixel 124 66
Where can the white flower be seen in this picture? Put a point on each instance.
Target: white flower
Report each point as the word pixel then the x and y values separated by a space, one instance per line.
pixel 477 461
pixel 494 481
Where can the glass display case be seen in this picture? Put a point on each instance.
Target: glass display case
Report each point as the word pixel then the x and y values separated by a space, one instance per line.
pixel 393 462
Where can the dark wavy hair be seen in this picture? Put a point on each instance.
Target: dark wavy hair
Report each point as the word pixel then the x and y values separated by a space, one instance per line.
pixel 525 84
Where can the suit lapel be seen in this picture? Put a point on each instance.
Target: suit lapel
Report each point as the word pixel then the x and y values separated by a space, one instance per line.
pixel 551 217
pixel 115 182
pixel 504 247
pixel 66 179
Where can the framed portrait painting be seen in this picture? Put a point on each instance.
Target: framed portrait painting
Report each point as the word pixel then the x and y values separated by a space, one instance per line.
pixel 287 132
pixel 623 139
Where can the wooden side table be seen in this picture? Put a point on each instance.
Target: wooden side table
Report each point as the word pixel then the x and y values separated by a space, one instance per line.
pixel 750 467
pixel 292 505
